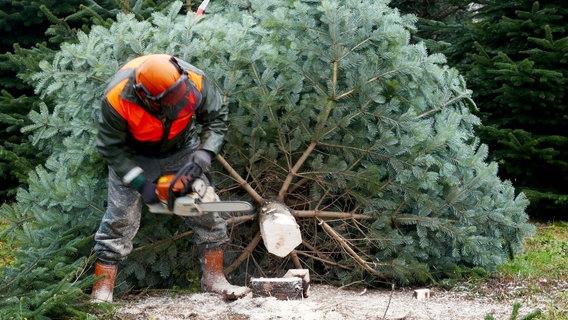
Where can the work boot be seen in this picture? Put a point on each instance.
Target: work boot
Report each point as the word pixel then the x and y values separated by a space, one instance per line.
pixel 102 289
pixel 213 278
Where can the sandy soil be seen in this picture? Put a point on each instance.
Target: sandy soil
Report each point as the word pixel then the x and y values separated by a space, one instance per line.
pixel 323 302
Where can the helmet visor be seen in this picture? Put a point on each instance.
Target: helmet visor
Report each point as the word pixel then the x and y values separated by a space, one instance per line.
pixel 179 101
pixel 171 101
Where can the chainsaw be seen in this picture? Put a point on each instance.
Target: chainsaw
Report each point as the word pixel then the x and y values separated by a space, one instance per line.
pixel 185 194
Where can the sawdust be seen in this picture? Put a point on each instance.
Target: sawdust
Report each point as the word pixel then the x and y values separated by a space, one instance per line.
pixel 324 302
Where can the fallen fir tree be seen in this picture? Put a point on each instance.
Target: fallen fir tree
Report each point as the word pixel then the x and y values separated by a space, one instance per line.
pixel 364 136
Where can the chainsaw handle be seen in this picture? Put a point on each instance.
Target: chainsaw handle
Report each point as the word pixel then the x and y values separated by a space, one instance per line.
pixel 187 174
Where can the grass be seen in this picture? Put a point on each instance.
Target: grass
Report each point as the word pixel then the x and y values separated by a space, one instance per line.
pixel 539 276
pixel 546 254
pixel 5 251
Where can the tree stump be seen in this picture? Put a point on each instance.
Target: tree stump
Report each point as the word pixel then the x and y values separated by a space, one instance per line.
pixel 303 274
pixel 280 288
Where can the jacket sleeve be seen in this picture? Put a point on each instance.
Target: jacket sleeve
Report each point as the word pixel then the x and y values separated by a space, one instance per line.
pixel 111 144
pixel 212 115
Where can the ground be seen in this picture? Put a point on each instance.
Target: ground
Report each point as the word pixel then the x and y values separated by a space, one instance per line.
pixel 333 303
pixel 538 281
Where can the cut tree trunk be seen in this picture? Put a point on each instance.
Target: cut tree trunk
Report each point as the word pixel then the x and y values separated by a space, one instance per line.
pixel 280 232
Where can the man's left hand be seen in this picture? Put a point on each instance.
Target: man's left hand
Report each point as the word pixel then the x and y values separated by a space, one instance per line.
pixel 202 158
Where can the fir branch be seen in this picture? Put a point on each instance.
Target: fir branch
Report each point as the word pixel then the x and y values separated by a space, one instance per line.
pixel 370 80
pixel 159 243
pixel 97 18
pixel 442 106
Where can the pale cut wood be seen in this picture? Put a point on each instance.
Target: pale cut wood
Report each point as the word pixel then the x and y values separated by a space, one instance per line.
pixel 303 274
pixel 280 288
pixel 421 294
pixel 279 230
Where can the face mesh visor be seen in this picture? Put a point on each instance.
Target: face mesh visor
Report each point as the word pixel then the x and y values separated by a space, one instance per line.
pixel 175 99
pixel 181 102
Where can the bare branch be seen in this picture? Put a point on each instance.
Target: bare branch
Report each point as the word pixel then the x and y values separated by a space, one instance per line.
pixel 245 185
pixel 294 256
pixel 329 214
pixel 238 220
pixel 364 264
pixel 294 171
pixel 246 253
pixel 328 262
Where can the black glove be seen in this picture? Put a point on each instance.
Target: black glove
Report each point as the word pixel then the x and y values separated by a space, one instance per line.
pixel 202 158
pixel 148 192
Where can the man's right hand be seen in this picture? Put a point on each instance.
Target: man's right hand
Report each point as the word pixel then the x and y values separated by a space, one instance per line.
pixel 148 192
pixel 147 189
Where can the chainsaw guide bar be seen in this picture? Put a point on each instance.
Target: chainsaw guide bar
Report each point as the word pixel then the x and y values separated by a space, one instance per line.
pixel 189 207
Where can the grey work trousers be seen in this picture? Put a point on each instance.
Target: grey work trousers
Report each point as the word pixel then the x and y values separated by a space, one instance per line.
pixel 121 220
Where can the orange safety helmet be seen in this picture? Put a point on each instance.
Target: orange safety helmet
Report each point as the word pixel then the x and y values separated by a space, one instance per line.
pixel 161 82
pixel 156 74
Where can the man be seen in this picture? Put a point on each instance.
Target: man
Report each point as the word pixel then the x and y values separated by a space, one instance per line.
pixel 147 129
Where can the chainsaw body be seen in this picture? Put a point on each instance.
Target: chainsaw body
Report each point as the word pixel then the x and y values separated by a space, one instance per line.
pixel 191 197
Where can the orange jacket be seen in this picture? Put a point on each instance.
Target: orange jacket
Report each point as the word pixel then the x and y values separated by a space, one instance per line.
pixel 126 127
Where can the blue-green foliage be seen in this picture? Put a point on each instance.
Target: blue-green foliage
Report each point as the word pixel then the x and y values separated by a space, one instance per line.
pixel 391 127
pixel 333 95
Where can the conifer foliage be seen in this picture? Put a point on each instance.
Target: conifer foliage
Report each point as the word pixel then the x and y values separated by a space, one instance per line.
pixel 513 56
pixel 521 49
pixel 333 112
